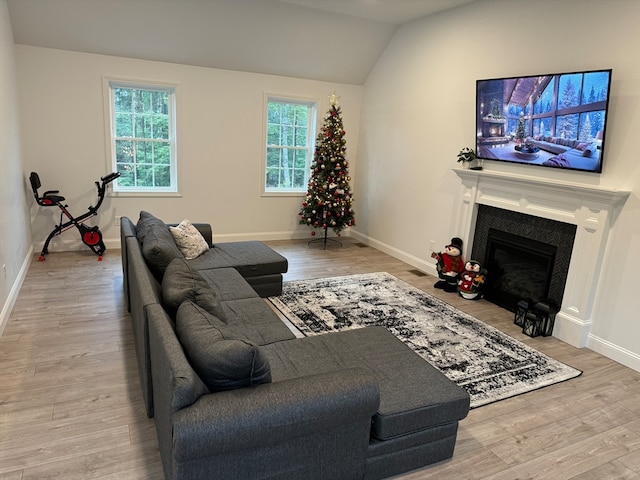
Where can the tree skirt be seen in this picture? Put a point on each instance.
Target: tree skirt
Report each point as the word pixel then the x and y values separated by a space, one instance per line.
pixel 487 363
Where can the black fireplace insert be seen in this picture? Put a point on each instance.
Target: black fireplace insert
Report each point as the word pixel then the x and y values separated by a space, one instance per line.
pixel 519 268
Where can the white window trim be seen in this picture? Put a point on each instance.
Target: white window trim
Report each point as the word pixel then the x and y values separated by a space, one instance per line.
pixel 286 98
pixel 107 82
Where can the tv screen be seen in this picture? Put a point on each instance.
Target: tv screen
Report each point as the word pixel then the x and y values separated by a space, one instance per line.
pixel 555 120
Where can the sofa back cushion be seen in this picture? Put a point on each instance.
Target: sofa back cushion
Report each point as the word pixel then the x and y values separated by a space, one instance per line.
pixel 158 246
pixel 220 360
pixel 181 282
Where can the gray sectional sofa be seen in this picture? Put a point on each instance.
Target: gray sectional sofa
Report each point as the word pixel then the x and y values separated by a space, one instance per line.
pixel 235 394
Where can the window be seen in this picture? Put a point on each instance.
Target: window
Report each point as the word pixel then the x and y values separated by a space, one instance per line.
pixel 290 130
pixel 580 110
pixel 143 137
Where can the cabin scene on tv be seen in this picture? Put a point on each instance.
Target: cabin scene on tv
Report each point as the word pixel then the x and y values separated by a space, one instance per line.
pixel 552 120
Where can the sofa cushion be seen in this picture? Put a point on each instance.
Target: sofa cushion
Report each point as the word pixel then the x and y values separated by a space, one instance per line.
pixel 251 259
pixel 189 240
pixel 146 222
pixel 181 283
pixel 413 394
pixel 221 361
pixel 158 246
pixel 253 320
pixel 227 283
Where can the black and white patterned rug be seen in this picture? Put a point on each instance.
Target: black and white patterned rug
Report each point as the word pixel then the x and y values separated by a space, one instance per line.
pixel 487 363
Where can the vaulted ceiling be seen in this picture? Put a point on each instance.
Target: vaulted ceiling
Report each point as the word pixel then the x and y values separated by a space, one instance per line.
pixel 329 40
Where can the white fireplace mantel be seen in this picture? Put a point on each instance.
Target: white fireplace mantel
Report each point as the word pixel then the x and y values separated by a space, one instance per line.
pixel 591 208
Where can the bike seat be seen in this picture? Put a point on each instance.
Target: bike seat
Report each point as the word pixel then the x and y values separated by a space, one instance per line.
pixel 49 198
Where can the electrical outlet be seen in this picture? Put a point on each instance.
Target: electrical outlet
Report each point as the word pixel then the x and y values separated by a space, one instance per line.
pixel 432 245
pixel 4 269
pixel 116 220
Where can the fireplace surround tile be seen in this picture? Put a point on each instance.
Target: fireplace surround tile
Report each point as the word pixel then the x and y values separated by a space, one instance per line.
pixel 558 234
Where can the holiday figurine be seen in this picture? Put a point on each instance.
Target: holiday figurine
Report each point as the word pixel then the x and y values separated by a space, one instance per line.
pixel 472 280
pixel 449 265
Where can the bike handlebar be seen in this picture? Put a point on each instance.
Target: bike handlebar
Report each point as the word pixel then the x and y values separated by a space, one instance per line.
pixel 101 191
pixel 110 177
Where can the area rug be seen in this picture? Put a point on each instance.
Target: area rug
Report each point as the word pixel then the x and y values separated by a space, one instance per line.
pixel 487 363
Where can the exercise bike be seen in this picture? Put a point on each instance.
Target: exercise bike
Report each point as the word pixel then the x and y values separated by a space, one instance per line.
pixel 91 236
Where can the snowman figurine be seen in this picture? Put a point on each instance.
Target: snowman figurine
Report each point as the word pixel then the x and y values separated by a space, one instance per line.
pixel 449 265
pixel 472 280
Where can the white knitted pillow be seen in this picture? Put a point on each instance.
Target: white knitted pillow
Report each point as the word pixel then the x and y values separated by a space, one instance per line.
pixel 189 240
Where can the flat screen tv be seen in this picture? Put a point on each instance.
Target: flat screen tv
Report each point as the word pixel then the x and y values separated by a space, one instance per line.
pixel 556 120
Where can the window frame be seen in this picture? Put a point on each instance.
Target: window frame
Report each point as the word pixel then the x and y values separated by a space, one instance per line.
pixel 312 104
pixel 109 84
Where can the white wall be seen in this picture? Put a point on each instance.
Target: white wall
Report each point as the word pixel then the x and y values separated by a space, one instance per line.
pixel 418 112
pixel 220 116
pixel 15 238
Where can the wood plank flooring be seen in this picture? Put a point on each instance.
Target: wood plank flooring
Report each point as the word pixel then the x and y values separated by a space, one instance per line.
pixel 71 406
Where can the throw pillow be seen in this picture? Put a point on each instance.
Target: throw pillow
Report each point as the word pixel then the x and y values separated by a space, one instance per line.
pixel 189 240
pixel 221 362
pixel 157 244
pixel 588 150
pixel 181 282
pixel 146 222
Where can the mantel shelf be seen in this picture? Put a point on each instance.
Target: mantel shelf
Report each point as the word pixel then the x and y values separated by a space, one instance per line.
pixel 606 195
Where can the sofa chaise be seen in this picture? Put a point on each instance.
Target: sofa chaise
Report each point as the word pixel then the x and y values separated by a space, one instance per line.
pixel 235 394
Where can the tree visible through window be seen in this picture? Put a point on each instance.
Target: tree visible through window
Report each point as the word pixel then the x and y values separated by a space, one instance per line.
pixel 290 132
pixel 143 137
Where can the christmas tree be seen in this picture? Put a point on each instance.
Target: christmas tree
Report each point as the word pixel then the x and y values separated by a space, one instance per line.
pixel 520 131
pixel 328 201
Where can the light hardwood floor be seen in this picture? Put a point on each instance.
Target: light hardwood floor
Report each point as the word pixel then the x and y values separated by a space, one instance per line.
pixel 71 406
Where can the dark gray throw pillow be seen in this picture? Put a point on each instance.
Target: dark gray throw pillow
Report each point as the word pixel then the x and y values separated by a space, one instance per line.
pixel 158 246
pixel 181 282
pixel 221 362
pixel 145 222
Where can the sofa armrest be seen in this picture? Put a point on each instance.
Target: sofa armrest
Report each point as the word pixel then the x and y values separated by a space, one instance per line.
pixel 275 413
pixel 206 232
pixel 255 432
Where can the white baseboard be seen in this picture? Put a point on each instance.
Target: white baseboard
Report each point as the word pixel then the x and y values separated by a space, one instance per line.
pixel 419 263
pixel 571 330
pixel 15 290
pixel 614 352
pixel 263 236
pixel 73 245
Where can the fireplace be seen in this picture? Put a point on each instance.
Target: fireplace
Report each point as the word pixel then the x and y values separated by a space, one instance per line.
pixel 588 210
pixel 522 242
pixel 519 268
